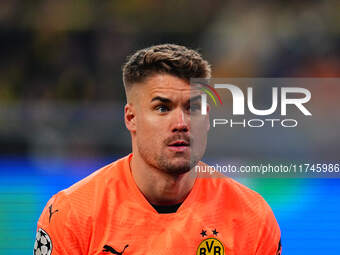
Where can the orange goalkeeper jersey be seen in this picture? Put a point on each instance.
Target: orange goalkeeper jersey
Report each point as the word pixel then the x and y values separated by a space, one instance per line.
pixel 106 213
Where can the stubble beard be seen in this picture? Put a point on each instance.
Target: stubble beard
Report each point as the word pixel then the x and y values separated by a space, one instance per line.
pixel 176 165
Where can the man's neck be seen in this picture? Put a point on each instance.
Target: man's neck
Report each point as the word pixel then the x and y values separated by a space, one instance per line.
pixel 158 187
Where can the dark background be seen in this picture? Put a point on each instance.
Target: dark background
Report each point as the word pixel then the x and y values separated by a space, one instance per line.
pixel 62 97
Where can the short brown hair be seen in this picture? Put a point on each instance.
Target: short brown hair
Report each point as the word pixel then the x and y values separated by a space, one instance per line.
pixel 171 59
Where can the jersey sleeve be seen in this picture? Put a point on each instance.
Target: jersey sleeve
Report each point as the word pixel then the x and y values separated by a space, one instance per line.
pixel 269 241
pixel 56 229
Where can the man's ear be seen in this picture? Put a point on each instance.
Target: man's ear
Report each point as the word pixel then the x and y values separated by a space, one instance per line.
pixel 130 117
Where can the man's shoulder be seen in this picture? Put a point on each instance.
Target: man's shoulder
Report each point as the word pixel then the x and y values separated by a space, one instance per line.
pixel 96 184
pixel 236 196
pixel 102 177
pixel 240 190
pixel 250 210
pixel 78 202
pixel 229 190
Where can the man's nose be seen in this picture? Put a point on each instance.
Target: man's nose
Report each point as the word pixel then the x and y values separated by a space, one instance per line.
pixel 181 121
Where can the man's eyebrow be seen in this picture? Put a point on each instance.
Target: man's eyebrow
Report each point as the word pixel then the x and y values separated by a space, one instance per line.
pixel 195 98
pixel 166 100
pixel 162 99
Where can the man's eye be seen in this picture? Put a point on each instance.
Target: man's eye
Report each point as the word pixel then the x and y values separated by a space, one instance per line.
pixel 194 107
pixel 162 108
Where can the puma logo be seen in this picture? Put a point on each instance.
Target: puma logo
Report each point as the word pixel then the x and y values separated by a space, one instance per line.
pixel 51 213
pixel 108 248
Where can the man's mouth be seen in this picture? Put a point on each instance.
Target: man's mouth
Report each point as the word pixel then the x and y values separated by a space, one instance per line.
pixel 179 145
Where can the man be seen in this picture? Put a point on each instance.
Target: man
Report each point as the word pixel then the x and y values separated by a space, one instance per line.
pixel 152 201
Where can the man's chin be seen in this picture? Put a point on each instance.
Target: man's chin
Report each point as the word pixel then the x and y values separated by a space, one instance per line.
pixel 177 166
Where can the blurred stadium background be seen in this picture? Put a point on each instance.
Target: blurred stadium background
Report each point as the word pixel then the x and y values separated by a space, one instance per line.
pixel 61 95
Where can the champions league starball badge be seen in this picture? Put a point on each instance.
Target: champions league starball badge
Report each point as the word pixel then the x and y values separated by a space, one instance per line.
pixel 43 243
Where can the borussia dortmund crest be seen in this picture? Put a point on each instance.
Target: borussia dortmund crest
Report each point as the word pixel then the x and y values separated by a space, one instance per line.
pixel 210 245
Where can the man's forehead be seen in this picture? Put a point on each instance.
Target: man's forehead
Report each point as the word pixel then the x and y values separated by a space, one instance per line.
pixel 165 86
pixel 164 83
pixel 175 93
pixel 165 90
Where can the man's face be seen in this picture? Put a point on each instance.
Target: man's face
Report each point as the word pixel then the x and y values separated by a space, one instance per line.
pixel 164 108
